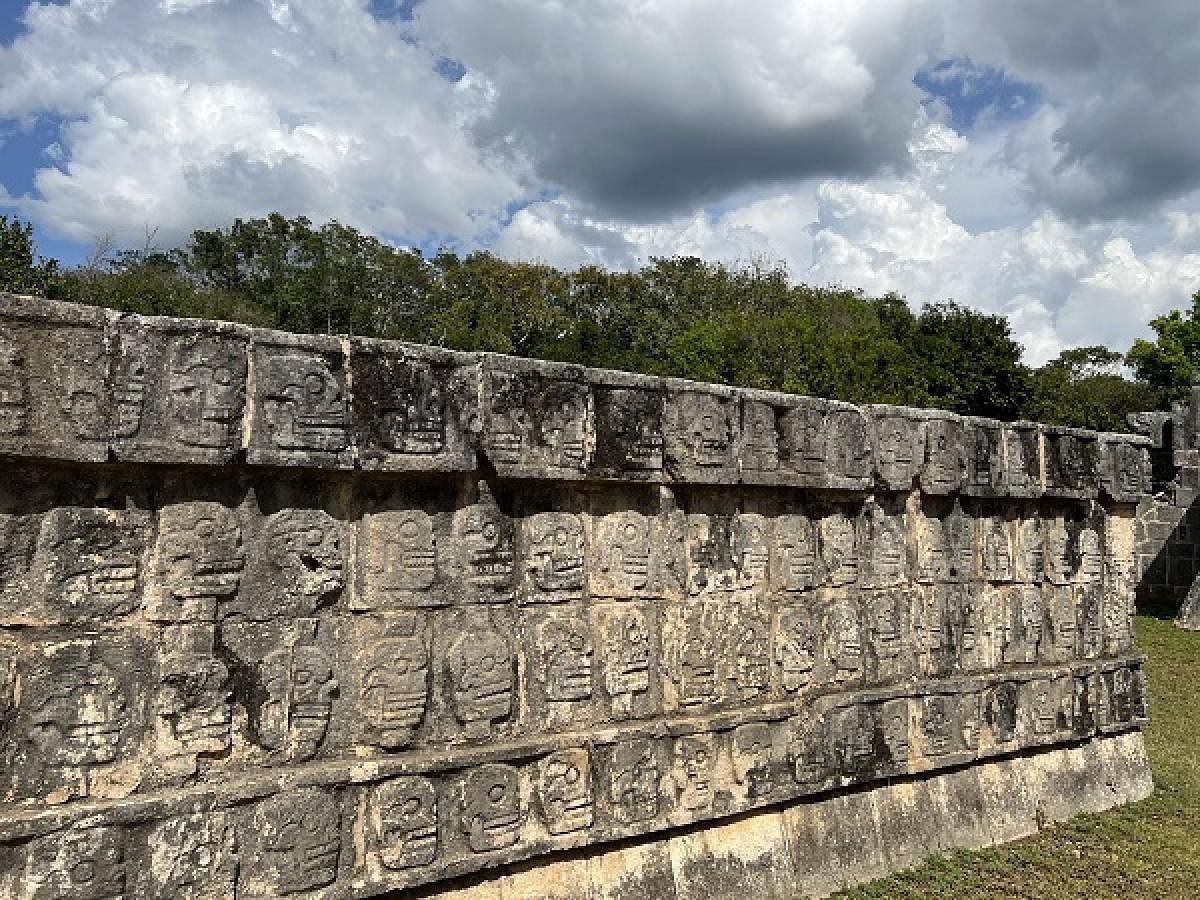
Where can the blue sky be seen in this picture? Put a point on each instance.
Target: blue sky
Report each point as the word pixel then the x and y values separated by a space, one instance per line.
pixel 1025 159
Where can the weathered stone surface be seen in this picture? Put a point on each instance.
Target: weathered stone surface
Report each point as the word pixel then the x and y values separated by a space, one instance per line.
pixel 331 618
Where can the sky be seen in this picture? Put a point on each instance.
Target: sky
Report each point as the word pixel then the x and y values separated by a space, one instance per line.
pixel 1037 160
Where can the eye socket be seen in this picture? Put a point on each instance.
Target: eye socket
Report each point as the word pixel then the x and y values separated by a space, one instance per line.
pixel 489 531
pixel 83 871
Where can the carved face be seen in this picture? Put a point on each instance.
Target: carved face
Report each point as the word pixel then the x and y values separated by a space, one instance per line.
pixel 751 549
pixel 943 454
pixel 194 699
pixel 306 545
pixel 1001 711
pixel 855 737
pixel 78 708
pixel 299 841
pixel 636 421
pixel 633 784
pixel 838 549
pixel 760 442
pixel 129 388
pixel 565 791
pixel 484 538
pixel 752 670
pixel 697 668
pixel 898 451
pixel 563 423
pixel 794 649
pixel 416 422
pixel 94 561
pixel 505 436
pixel 14 389
pixel 200 551
pixel 481 665
pixel 206 382
pixel 305 404
pixel 628 645
pixel 1058 553
pixel 395 687
pixel 692 771
pixel 796 545
pixel 79 377
pixel 1018 459
pixel 885 616
pixel 491 807
pixel 191 857
pixel 895 723
pixel 313 690
pixel 997 560
pixel 402 555
pixel 1033 549
pixel 808 749
pixel 1091 560
pixel 936 726
pixel 1046 707
pixel 624 540
pixel 80 864
pixel 706 430
pixel 567 648
pixel 847 645
pixel 556 552
pixel 408 822
pixel 751 755
pixel 703 571
pixel 886 544
pixel 804 433
pixel 848 444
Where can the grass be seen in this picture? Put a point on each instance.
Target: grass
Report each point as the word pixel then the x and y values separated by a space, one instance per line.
pixel 1149 849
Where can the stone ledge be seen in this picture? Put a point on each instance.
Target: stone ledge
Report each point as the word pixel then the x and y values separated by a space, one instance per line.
pixel 820 845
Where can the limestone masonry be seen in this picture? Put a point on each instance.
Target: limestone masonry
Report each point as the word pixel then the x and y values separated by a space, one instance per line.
pixel 329 617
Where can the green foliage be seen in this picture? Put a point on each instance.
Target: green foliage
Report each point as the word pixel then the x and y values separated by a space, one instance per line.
pixel 682 317
pixel 22 271
pixel 1168 362
pixel 1083 387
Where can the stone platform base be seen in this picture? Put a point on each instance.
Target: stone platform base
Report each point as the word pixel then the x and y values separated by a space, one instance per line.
pixel 813 849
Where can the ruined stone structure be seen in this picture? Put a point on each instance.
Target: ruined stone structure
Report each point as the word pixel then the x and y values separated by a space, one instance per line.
pixel 328 617
pixel 1168 520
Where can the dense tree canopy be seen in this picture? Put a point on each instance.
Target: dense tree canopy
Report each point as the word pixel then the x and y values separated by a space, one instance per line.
pixel 747 326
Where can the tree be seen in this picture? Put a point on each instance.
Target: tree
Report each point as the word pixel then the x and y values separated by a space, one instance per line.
pixel 1085 387
pixel 22 270
pixel 1168 363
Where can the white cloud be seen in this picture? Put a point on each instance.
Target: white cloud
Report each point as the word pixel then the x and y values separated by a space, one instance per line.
pixel 180 114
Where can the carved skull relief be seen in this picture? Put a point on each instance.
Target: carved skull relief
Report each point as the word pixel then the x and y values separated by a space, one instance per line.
pixel 566 647
pixel 491 807
pixel 304 404
pixel 633 781
pixel 751 754
pixel 691 771
pixel 407 811
pixel 481 669
pixel 206 385
pixel 307 550
pixel 79 864
pixel 198 561
pixel 565 791
pixel 395 688
pixel 14 389
pixel 296 842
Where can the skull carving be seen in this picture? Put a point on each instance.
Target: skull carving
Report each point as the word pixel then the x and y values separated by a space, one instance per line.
pixel 633 781
pixel 483 537
pixel 1058 553
pixel 760 443
pixel 564 424
pixel 625 561
pixel 633 418
pixel 555 557
pixel 14 389
pixel 491 807
pixel 206 385
pixel 751 549
pixel 198 561
pixel 414 419
pixel 937 726
pixel 565 791
pixel 77 708
pixel 395 687
pixel 79 864
pixel 194 691
pixel 705 429
pixel 895 721
pixel 95 560
pixel 407 810
pixel 845 642
pixel 305 546
pixel 839 550
pixel 697 666
pixel 401 559
pixel 751 653
pixel 794 567
pixel 300 691
pixel 1091 559
pixel 627 666
pixel 794 649
pixel 296 842
pixel 751 755
pixel 567 653
pixel 129 386
pixel 942 471
pixel 304 404
pixel 481 674
pixel 692 771
pixel 192 857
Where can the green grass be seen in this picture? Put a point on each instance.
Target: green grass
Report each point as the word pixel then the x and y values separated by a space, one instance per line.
pixel 1149 849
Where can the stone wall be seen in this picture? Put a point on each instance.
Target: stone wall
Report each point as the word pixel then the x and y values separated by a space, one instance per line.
pixel 332 617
